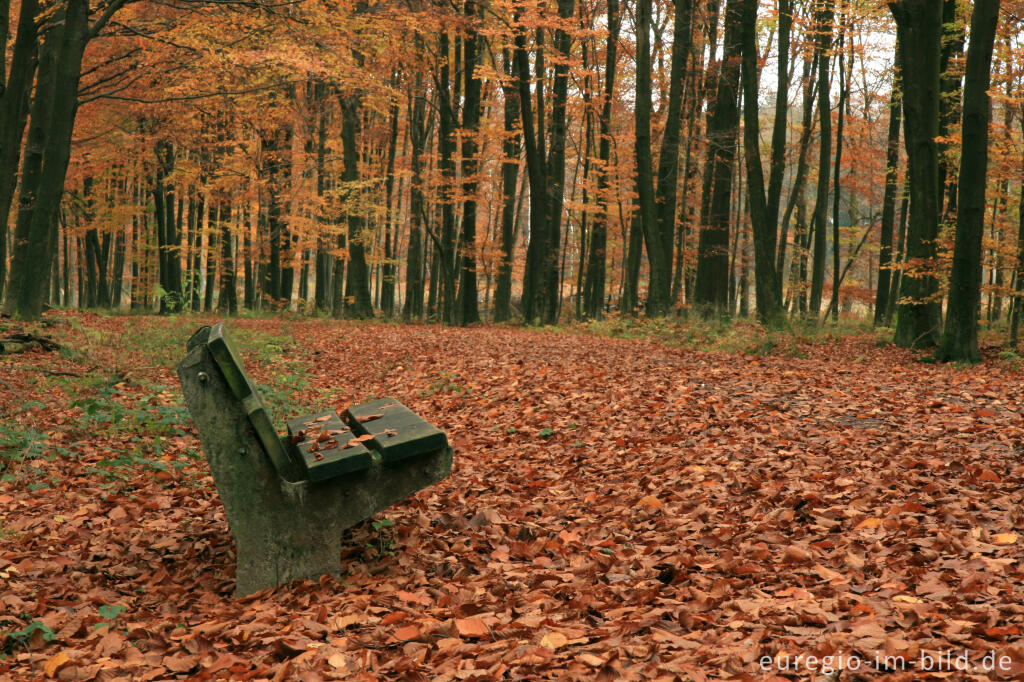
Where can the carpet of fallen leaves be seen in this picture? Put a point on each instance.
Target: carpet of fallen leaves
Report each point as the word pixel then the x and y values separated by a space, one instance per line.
pixel 617 510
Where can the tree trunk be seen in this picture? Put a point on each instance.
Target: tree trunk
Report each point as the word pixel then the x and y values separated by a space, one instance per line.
pixel 446 164
pixel 822 48
pixel 511 149
pixel 712 286
pixel 413 308
pixel 767 289
pixel 594 288
pixel 277 276
pixel 14 107
pixel 800 177
pixel 892 159
pixel 919 31
pixel 550 294
pixel 323 251
pixel 387 293
pixel 212 235
pixel 468 312
pixel 533 138
pixel 660 230
pixel 631 276
pixel 357 281
pixel 228 295
pixel 837 193
pixel 950 100
pixel 960 337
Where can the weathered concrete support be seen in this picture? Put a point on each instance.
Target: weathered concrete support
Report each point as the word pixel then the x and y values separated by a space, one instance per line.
pixel 286 530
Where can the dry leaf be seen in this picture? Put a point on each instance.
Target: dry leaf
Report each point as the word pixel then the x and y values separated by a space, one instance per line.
pixel 471 627
pixel 553 641
pixel 54 663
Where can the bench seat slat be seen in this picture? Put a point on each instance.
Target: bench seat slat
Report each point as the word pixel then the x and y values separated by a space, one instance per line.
pixel 398 433
pixel 321 463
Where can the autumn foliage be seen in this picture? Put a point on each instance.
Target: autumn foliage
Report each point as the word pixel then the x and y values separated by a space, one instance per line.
pixel 619 509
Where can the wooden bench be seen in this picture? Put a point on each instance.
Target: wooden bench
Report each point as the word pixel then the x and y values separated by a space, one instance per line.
pixel 288 499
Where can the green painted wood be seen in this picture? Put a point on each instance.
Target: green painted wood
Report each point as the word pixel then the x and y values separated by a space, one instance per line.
pixel 398 433
pixel 318 461
pixel 229 361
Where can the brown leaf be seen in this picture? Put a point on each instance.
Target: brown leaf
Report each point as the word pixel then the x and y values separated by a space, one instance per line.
pixel 471 627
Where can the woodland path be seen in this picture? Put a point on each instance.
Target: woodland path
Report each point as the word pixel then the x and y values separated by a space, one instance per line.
pixel 618 509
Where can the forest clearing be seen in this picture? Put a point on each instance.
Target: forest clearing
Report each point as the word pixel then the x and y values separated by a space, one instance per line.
pixel 618 509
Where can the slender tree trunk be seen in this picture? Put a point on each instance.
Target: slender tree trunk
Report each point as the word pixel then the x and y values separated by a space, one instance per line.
pixel 820 220
pixel 631 276
pixel 660 217
pixel 950 100
pixel 228 293
pixel 550 294
pixel 387 287
pixel 212 237
pixel 511 149
pixel 892 158
pixel 898 256
pixel 800 176
pixel 446 164
pixel 413 309
pixel 767 289
pixel 960 337
pixel 837 193
pixel 357 282
pixel 594 288
pixel 468 312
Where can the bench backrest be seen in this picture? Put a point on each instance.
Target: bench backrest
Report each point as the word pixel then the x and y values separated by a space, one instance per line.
pixel 228 360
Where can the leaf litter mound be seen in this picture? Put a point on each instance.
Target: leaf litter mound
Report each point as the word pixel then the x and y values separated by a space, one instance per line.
pixel 617 510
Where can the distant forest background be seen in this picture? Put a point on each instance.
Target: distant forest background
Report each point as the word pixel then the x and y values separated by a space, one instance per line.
pixel 496 160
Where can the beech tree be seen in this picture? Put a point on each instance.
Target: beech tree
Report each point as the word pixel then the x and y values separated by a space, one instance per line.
pixel 960 337
pixel 919 32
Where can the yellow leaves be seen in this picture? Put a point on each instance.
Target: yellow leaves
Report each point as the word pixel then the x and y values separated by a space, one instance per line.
pixel 553 641
pixel 54 663
pixel 1003 539
pixel 870 523
pixel 906 599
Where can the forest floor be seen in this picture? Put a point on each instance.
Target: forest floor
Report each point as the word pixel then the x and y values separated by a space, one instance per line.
pixel 618 509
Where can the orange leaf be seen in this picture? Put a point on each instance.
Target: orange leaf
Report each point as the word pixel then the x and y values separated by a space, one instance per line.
pixel 54 663
pixel 413 598
pixel 408 632
pixel 650 502
pixel 870 523
pixel 471 627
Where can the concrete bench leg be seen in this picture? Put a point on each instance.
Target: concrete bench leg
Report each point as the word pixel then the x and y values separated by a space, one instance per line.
pixel 286 530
